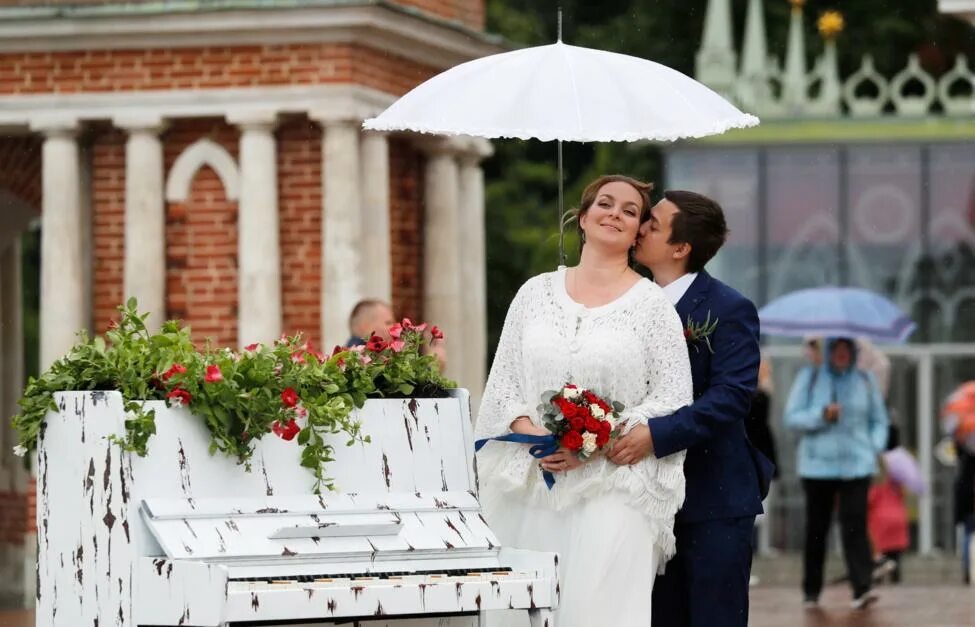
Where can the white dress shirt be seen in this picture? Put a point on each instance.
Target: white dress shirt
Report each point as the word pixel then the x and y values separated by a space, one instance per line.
pixel 675 290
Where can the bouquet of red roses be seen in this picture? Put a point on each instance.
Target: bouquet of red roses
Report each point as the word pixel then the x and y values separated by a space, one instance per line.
pixel 580 420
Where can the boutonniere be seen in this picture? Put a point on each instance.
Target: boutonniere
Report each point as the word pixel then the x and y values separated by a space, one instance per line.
pixel 697 332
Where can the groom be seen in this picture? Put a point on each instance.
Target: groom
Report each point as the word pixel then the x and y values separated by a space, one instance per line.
pixel 706 583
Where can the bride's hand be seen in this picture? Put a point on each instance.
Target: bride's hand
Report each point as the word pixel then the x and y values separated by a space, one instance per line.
pixel 561 461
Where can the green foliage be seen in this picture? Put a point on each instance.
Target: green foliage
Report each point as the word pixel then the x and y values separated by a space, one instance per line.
pixel 288 388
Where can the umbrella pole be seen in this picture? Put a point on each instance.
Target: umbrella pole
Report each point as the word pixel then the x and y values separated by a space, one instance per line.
pixel 561 210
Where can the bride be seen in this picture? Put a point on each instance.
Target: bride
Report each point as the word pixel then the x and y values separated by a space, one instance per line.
pixel 601 326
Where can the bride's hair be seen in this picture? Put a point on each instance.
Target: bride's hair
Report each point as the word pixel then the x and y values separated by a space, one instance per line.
pixel 592 191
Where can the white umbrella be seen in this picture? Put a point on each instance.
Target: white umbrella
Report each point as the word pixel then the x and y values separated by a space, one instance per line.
pixel 564 93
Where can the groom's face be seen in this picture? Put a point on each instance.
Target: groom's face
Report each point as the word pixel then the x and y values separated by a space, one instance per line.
pixel 654 249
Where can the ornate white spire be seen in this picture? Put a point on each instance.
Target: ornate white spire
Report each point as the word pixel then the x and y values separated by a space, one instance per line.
pixel 753 90
pixel 794 79
pixel 716 60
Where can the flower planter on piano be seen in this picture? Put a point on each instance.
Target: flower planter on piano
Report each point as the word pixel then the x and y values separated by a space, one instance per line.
pixel 182 537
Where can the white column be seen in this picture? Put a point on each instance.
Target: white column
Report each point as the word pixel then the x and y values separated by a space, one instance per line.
pixel 442 300
pixel 341 228
pixel 376 252
pixel 145 217
pixel 259 248
pixel 62 251
pixel 473 267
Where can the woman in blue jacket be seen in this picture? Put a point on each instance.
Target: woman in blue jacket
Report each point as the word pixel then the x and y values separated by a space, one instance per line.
pixel 841 415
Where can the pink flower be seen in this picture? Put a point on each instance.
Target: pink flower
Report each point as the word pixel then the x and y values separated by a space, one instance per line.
pixel 289 397
pixel 173 370
pixel 213 374
pixel 300 412
pixel 179 397
pixel 396 331
pixel 436 332
pixel 397 345
pixel 286 431
pixel 253 348
pixel 298 357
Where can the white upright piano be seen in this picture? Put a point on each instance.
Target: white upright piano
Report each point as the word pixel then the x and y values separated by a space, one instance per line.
pixel 183 537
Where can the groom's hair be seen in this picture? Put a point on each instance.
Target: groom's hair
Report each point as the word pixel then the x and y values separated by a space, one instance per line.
pixel 699 222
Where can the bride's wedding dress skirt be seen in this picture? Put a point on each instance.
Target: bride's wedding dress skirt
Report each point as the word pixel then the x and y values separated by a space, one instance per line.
pixel 607 559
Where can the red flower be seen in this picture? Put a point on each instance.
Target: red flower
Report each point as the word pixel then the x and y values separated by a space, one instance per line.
pixel 593 425
pixel 572 440
pixel 688 333
pixel 436 332
pixel 173 370
pixel 338 349
pixel 286 431
pixel 376 344
pixel 252 348
pixel 605 427
pixel 395 331
pixel 179 396
pixel 289 397
pixel 298 356
pixel 576 423
pixel 213 374
pixel 602 438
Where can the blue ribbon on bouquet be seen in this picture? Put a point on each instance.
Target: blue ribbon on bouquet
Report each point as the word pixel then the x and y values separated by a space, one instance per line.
pixel 542 446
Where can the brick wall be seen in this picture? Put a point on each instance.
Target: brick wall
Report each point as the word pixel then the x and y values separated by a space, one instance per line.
pixel 406 227
pixel 207 68
pixel 300 215
pixel 20 168
pixel 201 241
pixel 108 224
pixel 18 513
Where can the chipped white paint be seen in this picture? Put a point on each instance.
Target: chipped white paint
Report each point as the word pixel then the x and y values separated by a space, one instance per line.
pixel 159 541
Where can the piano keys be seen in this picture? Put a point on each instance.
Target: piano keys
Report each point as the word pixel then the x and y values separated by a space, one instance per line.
pixel 181 537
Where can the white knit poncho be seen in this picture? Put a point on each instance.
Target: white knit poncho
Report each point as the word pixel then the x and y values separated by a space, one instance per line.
pixel 631 350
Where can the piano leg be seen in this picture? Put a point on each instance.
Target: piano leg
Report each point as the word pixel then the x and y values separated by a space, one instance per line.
pixel 541 617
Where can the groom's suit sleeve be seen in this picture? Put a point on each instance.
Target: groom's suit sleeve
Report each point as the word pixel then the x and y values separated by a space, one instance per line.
pixel 732 379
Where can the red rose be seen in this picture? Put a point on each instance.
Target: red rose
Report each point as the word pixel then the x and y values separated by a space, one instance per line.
pixel 213 374
pixel 592 425
pixel 180 396
pixel 289 397
pixel 576 423
pixel 436 332
pixel 572 441
pixel 376 344
pixel 602 438
pixel 173 370
pixel 287 431
pixel 605 427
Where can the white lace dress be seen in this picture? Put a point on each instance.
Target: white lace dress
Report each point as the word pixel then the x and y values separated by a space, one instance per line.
pixel 611 525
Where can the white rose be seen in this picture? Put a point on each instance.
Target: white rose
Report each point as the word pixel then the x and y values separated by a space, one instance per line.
pixel 596 411
pixel 612 423
pixel 20 450
pixel 589 443
pixel 571 393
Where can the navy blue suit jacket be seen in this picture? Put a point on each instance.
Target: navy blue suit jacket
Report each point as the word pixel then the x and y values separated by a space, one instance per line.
pixel 721 468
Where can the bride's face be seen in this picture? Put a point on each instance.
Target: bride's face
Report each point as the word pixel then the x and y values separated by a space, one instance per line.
pixel 613 219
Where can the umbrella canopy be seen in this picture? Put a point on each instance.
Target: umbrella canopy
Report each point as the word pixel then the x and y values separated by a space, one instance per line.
pixel 902 468
pixel 563 92
pixel 958 416
pixel 836 311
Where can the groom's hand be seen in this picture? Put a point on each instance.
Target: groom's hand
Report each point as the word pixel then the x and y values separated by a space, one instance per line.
pixel 633 447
